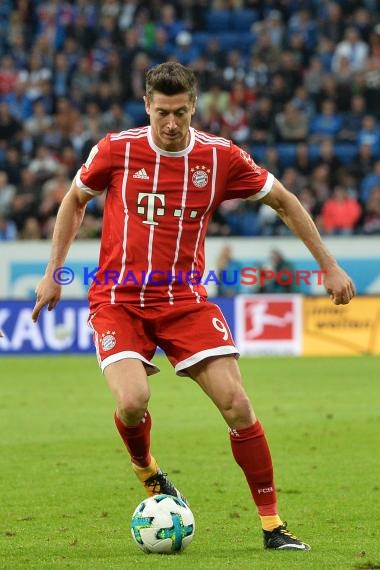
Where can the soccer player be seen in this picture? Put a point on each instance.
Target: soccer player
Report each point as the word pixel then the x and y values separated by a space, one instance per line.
pixel 163 183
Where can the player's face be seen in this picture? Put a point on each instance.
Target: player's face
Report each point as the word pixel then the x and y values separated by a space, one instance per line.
pixel 170 118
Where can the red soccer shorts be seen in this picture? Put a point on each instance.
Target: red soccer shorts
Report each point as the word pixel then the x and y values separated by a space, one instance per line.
pixel 187 332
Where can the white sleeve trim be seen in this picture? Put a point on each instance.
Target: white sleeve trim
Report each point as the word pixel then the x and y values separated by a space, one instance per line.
pixel 85 188
pixel 265 189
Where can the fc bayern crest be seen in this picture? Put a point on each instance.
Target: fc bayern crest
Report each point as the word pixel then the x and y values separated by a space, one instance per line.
pixel 108 340
pixel 200 176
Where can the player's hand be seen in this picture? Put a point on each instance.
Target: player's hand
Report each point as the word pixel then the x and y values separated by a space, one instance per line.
pixel 48 292
pixel 339 286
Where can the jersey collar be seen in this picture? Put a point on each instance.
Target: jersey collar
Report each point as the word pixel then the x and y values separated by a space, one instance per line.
pixel 162 152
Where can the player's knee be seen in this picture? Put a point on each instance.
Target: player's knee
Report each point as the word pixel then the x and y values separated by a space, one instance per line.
pixel 236 408
pixel 131 408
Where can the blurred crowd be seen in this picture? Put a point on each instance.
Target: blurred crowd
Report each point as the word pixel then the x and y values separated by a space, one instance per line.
pixel 295 83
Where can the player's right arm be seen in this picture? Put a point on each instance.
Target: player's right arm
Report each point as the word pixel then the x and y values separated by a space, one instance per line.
pixel 69 219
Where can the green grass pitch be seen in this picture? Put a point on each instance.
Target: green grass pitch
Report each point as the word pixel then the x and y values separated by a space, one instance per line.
pixel 67 491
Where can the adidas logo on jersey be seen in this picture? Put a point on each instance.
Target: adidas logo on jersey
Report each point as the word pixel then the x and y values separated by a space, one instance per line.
pixel 141 174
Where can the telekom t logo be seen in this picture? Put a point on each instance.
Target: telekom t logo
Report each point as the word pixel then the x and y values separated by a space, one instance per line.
pixel 149 208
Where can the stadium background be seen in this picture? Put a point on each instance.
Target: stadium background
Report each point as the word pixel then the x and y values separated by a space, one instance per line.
pixel 297 84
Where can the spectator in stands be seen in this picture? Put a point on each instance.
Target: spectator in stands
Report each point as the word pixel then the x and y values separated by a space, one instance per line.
pixel 234 69
pixel 146 27
pixel 308 201
pixel 369 133
pixel 219 225
pixel 35 75
pixel 13 164
pixel 340 213
pixel 135 82
pixel 302 102
pixel 275 28
pixel 362 20
pixel 331 20
pixel 84 77
pixel 290 71
pixel 215 55
pixel 371 215
pixel 61 75
pixel 265 51
pixel 313 77
pixel 291 124
pixel 26 199
pixel 268 223
pixel 353 49
pixel 185 51
pixel 242 94
pixel 325 51
pixel 344 75
pixel 257 75
pixel 114 120
pixel 203 71
pixel 31 229
pixel 362 164
pixel 19 104
pixel 271 161
pixel 7 191
pixel 65 117
pixel 294 179
pixel 319 183
pixel 327 123
pixel 216 99
pixel 303 161
pixel 82 29
pixel 10 128
pixel 76 49
pixel 161 48
pixel 371 84
pixel 170 22
pixel 262 121
pixel 369 182
pixel 8 229
pixel 228 271
pixel 111 77
pixel 39 121
pixel 352 119
pixel 302 23
pixel 284 282
pixel 8 75
pixel 328 157
pixel 235 123
pixel 44 165
pixel 333 91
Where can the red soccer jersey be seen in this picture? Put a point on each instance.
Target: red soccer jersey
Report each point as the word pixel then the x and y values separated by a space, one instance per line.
pixel 157 209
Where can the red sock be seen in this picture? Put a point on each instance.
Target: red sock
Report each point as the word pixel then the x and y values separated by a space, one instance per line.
pixel 136 439
pixel 250 450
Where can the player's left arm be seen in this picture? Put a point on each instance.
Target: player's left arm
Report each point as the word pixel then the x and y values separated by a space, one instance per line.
pixel 337 283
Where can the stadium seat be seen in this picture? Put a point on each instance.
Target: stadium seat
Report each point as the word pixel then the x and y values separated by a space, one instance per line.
pixel 345 152
pixel 314 151
pixel 286 154
pixel 258 152
pixel 233 40
pixel 136 110
pixel 201 39
pixel 218 21
pixel 243 19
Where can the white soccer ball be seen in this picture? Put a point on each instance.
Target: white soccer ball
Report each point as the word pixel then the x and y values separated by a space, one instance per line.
pixel 162 524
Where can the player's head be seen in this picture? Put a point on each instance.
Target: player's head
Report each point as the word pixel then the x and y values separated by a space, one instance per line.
pixel 171 78
pixel 171 91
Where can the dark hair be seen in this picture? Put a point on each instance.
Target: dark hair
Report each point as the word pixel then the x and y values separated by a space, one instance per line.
pixel 171 78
